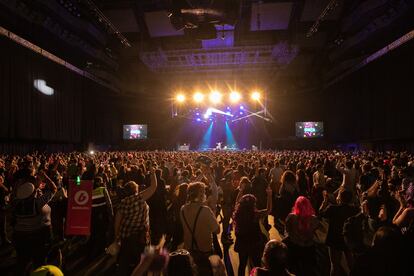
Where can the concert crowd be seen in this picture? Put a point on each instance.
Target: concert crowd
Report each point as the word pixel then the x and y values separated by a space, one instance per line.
pixel 181 213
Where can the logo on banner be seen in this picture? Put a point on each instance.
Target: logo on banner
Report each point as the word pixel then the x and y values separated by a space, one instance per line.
pixel 78 218
pixel 81 197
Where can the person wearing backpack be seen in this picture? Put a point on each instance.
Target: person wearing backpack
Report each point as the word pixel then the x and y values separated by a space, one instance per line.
pixel 199 223
pixel 31 221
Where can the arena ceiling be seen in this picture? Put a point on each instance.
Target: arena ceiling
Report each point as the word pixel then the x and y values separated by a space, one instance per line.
pixel 288 46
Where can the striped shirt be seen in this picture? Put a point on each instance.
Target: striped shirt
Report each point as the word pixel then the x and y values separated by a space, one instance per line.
pixel 98 197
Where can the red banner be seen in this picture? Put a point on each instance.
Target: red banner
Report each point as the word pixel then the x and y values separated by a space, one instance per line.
pixel 78 219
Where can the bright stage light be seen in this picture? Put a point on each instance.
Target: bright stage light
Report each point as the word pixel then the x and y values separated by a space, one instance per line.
pixel 208 113
pixel 180 98
pixel 41 85
pixel 256 96
pixel 235 97
pixel 198 97
pixel 215 97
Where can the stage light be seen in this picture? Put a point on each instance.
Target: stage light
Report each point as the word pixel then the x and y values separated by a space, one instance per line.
pixel 206 141
pixel 241 107
pixel 198 97
pixel 180 98
pixel 91 152
pixel 41 85
pixel 208 113
pixel 256 96
pixel 235 97
pixel 215 97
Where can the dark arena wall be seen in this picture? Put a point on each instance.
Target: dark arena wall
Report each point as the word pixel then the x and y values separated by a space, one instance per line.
pixel 79 111
pixel 375 103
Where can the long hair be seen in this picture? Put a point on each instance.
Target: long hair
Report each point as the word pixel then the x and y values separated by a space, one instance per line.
pixel 245 180
pixel 288 177
pixel 409 195
pixel 304 211
pixel 288 181
pixel 245 212
pixel 302 180
pixel 181 194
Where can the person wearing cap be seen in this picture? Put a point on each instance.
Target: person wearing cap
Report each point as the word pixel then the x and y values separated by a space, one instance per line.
pixel 31 222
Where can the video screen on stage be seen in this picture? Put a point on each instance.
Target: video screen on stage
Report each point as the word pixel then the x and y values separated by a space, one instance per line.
pixel 309 129
pixel 135 132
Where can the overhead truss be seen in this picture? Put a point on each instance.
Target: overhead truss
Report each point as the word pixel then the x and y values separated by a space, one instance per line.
pixel 202 60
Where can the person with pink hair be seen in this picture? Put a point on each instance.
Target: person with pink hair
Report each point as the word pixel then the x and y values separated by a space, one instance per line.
pixel 301 225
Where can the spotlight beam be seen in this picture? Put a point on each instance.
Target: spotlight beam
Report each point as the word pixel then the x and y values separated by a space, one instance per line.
pixel 249 115
pixel 211 110
pixel 265 111
pixel 256 114
pixel 230 141
pixel 206 141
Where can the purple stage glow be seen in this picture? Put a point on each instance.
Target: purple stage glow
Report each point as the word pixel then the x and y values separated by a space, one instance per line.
pixel 226 113
pixel 205 134
pixel 220 106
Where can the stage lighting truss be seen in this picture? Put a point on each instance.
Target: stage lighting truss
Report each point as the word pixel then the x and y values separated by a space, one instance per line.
pixel 231 107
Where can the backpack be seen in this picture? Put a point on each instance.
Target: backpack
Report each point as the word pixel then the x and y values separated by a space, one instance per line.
pixel 25 211
pixel 25 208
